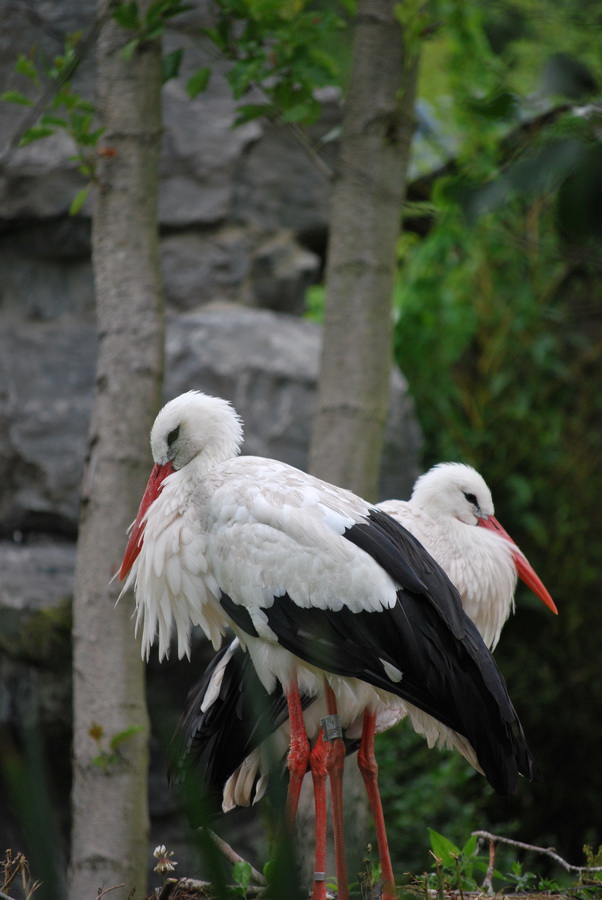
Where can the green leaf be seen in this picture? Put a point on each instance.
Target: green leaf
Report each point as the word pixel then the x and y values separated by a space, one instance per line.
pixel 76 204
pixel 126 15
pixel 47 119
pixel 154 32
pixel 16 97
pixel 500 106
pixel 198 82
pixel 124 735
pixel 300 112
pixel 443 848
pixel 85 105
pixel 89 138
pixel 35 134
pixel 241 873
pixel 171 63
pixel 269 869
pixel 249 111
pixel 470 846
pixel 130 48
pixel 165 9
pixel 24 66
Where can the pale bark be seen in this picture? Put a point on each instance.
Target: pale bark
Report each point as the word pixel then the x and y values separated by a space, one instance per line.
pixel 364 227
pixel 109 803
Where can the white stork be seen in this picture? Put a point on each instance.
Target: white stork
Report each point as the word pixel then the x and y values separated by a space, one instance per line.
pixel 228 716
pixel 326 592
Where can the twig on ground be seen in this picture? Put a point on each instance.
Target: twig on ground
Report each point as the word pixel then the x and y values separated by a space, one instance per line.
pixel 546 851
pixel 192 884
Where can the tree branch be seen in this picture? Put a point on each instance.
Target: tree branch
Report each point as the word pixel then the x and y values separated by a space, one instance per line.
pixel 83 48
pixel 233 856
pixel 545 851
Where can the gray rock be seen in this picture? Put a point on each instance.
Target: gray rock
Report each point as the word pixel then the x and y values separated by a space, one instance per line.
pixel 281 272
pixel 47 377
pixel 266 363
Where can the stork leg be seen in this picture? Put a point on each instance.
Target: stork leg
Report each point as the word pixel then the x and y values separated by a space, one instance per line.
pixel 368 766
pixel 298 756
pixel 319 774
pixel 335 762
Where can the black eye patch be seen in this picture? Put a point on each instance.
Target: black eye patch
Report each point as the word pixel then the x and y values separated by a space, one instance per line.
pixel 172 437
pixel 471 498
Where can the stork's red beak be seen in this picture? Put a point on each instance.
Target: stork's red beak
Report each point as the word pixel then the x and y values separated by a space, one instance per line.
pixel 153 489
pixel 525 571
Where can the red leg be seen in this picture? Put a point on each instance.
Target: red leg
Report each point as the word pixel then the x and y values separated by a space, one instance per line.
pixel 335 763
pixel 366 761
pixel 317 762
pixel 298 755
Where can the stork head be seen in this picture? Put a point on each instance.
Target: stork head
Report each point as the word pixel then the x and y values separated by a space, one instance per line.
pixel 457 491
pixel 454 490
pixel 192 425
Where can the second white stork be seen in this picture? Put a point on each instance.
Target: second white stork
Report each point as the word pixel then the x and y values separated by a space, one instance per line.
pixel 326 592
pixel 232 732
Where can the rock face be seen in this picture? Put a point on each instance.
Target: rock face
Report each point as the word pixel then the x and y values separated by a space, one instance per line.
pixel 243 230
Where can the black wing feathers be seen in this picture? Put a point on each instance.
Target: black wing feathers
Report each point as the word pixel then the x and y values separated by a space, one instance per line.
pixel 208 746
pixel 447 671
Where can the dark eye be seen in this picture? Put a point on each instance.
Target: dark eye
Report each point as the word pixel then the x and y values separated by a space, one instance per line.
pixel 172 437
pixel 471 498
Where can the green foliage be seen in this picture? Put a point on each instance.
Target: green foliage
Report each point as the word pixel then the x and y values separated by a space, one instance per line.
pixel 147 27
pixel 67 111
pixel 370 876
pixel 464 869
pixel 499 333
pixel 315 297
pixel 280 48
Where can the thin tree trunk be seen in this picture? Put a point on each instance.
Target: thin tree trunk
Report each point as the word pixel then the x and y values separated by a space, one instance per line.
pixel 367 202
pixel 110 823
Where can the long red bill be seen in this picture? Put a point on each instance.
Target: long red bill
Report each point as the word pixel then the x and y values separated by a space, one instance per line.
pixel 153 489
pixel 524 568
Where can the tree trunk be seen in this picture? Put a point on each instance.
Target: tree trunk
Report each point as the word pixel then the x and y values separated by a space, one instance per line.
pixel 109 802
pixel 378 122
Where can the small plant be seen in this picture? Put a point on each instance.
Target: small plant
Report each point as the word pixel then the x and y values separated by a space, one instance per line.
pixel 455 868
pixel 15 867
pixel 593 859
pixel 519 880
pixel 108 755
pixel 242 873
pixel 371 874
